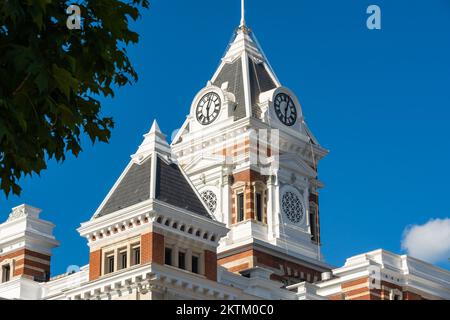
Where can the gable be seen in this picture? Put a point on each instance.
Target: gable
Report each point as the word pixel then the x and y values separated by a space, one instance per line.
pixel 204 163
pixel 294 163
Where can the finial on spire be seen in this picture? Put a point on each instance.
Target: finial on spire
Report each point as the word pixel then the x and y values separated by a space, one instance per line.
pixel 154 142
pixel 242 13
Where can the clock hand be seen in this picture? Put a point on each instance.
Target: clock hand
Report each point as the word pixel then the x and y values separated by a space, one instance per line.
pixel 285 111
pixel 208 107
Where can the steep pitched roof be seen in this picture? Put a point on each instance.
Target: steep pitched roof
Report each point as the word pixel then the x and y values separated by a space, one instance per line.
pixel 169 183
pixel 232 73
pixel 247 72
pixel 260 81
pixel 173 188
pixel 132 189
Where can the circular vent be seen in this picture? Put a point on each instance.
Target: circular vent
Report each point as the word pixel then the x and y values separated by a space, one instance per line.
pixel 292 207
pixel 210 200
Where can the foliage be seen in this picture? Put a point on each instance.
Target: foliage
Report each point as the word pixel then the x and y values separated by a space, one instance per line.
pixel 51 78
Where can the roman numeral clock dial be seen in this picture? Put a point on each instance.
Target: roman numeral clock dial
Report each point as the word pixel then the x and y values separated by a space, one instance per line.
pixel 285 109
pixel 208 108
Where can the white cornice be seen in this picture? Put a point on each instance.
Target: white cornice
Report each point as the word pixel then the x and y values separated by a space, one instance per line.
pixel 144 215
pixel 431 281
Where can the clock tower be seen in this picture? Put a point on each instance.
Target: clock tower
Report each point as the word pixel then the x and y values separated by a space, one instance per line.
pixel 249 152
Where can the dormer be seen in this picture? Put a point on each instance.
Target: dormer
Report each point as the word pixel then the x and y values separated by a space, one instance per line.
pixel 153 217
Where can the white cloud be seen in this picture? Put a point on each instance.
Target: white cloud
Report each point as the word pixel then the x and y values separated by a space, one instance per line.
pixel 429 242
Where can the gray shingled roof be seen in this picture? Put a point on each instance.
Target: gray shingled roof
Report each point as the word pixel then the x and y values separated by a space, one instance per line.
pixel 232 73
pixel 260 81
pixel 134 188
pixel 171 188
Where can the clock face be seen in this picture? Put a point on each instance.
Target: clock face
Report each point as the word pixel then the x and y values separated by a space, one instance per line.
pixel 285 109
pixel 208 108
pixel 292 207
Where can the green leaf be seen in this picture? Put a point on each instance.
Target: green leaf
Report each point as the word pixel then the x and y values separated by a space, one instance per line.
pixel 54 79
pixel 64 79
pixel 41 82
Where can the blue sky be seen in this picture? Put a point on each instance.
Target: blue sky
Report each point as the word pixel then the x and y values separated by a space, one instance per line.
pixel 378 100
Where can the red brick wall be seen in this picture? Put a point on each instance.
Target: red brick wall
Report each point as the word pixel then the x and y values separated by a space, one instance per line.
pixel 24 262
pixel 95 265
pixel 411 296
pixel 263 259
pixel 27 252
pixel 235 257
pixel 210 265
pixel 352 290
pixel 152 248
pixel 248 177
pixel 146 248
pixel 349 284
pixel 158 249
pixel 268 260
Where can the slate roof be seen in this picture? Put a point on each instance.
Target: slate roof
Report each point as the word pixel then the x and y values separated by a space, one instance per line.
pixel 260 81
pixel 232 73
pixel 172 187
pixel 134 188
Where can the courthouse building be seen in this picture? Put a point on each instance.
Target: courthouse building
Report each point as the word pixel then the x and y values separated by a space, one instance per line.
pixel 230 210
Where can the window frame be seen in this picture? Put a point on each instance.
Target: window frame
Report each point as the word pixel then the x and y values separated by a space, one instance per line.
pixel 133 260
pixel 110 256
pixel 168 256
pixel 116 250
pixel 182 253
pixel 259 207
pixel 197 257
pixel 240 209
pixel 6 276
pixel 259 188
pixel 120 256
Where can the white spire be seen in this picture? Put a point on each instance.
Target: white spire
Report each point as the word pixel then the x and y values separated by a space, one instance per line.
pixel 242 14
pixel 155 127
pixel 154 142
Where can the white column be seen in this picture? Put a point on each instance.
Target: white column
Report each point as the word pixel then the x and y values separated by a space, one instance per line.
pixel 189 260
pixel 225 200
pixel 277 208
pixel 201 263
pixel 270 209
pixel 306 201
pixel 175 256
pixel 247 95
pixel 129 255
pixel 116 259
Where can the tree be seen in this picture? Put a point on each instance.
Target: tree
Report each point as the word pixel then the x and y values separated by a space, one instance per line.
pixel 51 78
